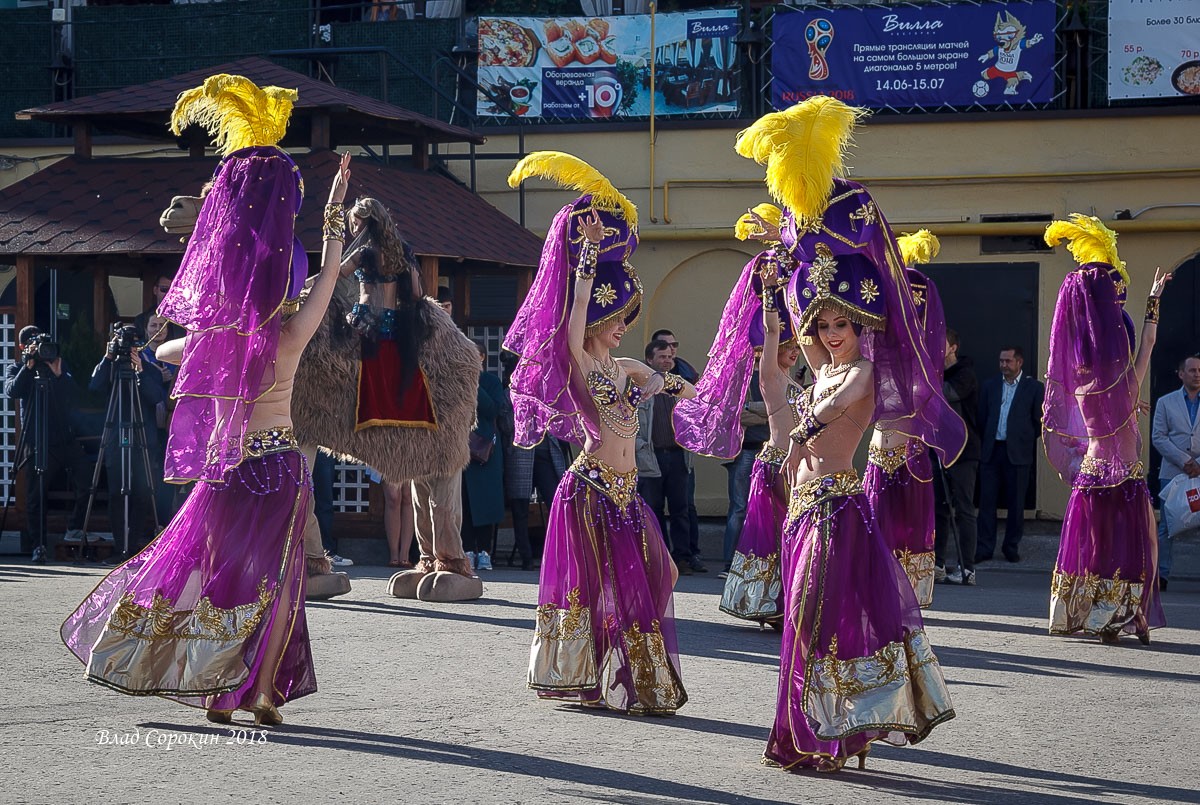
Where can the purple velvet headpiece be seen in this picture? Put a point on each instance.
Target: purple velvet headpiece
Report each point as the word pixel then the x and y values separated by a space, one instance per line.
pixel 617 290
pixel 850 262
pixel 239 268
pixel 548 392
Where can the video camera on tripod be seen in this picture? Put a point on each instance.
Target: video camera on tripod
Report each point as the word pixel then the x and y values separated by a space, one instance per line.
pixel 42 348
pixel 126 338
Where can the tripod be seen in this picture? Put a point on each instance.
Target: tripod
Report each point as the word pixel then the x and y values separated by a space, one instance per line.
pixel 38 411
pixel 952 519
pixel 124 418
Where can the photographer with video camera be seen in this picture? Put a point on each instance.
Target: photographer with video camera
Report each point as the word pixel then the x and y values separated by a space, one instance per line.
pixel 130 435
pixel 40 380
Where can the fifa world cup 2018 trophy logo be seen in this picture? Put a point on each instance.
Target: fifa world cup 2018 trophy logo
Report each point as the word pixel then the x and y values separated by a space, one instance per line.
pixel 818 34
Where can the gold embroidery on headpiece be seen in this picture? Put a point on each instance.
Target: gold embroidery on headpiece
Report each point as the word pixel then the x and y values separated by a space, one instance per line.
pixel 821 272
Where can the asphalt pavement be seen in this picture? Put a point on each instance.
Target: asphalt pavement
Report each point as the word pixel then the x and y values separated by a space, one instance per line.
pixel 424 703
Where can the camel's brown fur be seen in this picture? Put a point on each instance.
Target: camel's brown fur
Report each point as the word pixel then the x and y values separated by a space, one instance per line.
pixel 325 396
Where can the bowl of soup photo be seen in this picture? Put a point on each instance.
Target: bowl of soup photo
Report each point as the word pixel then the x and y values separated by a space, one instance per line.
pixel 1186 78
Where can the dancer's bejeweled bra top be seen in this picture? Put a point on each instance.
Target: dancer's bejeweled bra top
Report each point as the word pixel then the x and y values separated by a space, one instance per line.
pixel 617 410
pixel 378 323
pixel 770 454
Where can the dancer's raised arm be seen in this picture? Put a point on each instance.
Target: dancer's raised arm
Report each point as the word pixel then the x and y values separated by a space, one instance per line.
pixel 1141 363
pixel 585 273
pixel 333 231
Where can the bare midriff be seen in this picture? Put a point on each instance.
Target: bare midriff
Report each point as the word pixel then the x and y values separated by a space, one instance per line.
pixel 834 448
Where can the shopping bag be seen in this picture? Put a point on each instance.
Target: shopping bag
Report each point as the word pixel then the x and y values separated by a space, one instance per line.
pixel 1181 505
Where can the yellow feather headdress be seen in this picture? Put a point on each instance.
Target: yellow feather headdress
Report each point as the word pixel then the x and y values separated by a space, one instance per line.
pixel 745 226
pixel 235 111
pixel 1088 241
pixel 919 247
pixel 804 147
pixel 572 172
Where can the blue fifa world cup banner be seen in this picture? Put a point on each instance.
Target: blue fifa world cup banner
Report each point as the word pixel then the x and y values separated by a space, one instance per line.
pixel 990 54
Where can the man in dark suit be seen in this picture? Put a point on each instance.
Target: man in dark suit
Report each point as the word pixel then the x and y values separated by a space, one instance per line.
pixel 1010 420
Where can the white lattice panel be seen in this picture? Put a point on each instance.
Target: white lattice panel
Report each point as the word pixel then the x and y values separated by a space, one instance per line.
pixel 492 337
pixel 351 488
pixel 8 412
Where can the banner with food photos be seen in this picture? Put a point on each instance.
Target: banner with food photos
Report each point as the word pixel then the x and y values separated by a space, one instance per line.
pixel 906 56
pixel 598 68
pixel 1153 49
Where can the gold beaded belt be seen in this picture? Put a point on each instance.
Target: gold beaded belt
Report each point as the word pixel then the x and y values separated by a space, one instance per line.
pixel 1104 468
pixel 770 454
pixel 819 490
pixel 893 458
pixel 619 487
pixel 264 442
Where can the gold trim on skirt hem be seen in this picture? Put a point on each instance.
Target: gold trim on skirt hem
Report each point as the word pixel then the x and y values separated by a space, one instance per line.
pixel 753 588
pixel 563 655
pixel 1092 604
pixel 919 569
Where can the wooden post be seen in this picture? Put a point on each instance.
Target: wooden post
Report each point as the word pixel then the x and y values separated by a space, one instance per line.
pixel 83 140
pixel 26 289
pixel 420 155
pixel 430 275
pixel 321 136
pixel 100 301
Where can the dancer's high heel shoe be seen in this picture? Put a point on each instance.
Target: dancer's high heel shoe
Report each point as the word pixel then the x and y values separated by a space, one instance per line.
pixel 862 757
pixel 220 716
pixel 265 712
pixel 1144 637
pixel 1110 636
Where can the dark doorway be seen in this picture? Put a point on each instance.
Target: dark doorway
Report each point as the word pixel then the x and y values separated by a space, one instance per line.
pixel 992 305
pixel 1178 337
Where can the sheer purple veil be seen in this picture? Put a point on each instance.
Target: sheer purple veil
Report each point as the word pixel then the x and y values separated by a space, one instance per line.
pixel 710 423
pixel 1091 398
pixel 547 389
pixel 228 295
pixel 928 303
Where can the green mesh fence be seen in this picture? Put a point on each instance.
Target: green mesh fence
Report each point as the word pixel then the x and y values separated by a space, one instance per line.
pixel 25 64
pixel 119 46
pixel 417 42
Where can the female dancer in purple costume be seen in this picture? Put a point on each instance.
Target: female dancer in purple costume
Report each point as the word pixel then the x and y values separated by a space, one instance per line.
pixel 754 587
pixel 211 614
pixel 899 476
pixel 605 632
pixel 855 664
pixel 1106 574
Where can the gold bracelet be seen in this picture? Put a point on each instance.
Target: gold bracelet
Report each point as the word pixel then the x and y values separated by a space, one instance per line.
pixel 1152 303
pixel 589 253
pixel 334 225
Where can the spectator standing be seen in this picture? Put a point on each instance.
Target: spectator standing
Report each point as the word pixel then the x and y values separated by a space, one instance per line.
pixel 962 392
pixel 1010 422
pixel 689 373
pixel 165 494
pixel 149 324
pixel 151 391
pixel 666 493
pixel 63 453
pixel 1175 434
pixel 483 482
pixel 324 468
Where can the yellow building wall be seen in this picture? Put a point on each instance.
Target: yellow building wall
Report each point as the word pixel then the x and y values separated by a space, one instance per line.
pixel 923 172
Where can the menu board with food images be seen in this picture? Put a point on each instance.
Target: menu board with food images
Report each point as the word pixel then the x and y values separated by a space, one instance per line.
pixel 599 67
pixel 1153 49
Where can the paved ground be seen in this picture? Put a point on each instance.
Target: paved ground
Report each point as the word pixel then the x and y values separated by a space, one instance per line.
pixel 427 704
